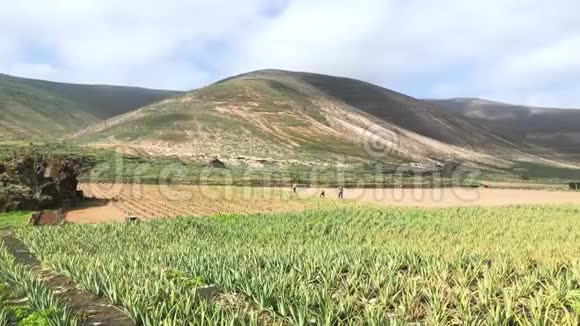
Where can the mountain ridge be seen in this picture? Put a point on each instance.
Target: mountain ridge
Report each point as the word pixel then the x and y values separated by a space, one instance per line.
pixel 304 116
pixel 39 109
pixel 554 131
pixel 281 115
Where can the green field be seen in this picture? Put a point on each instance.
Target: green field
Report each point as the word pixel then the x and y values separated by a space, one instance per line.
pixel 26 300
pixel 13 219
pixel 335 265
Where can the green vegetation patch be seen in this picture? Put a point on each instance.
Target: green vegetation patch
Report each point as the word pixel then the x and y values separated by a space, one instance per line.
pixel 13 219
pixel 26 300
pixel 146 126
pixel 346 265
pixel 530 171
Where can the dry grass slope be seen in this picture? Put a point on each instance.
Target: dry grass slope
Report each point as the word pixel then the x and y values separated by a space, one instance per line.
pixel 36 109
pixel 286 116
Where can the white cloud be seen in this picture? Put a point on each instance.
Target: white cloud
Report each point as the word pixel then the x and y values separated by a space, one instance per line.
pixel 126 42
pixel 39 70
pixel 510 50
pixel 426 48
pixel 566 98
pixel 554 63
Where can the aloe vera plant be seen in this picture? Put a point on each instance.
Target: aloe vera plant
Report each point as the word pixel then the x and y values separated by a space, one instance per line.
pixel 331 266
pixel 45 306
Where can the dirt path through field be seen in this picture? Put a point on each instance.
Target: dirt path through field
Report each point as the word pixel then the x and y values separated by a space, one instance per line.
pixel 98 310
pixel 450 197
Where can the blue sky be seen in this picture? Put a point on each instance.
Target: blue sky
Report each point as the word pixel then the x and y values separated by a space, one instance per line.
pixel 518 51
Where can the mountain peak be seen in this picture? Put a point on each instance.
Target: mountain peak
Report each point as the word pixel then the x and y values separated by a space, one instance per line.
pixel 288 115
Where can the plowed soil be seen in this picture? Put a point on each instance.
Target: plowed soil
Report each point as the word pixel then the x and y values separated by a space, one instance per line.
pixel 114 203
pixel 452 197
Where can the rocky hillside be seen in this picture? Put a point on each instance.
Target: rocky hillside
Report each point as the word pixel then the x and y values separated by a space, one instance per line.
pixel 543 131
pixel 35 109
pixel 288 116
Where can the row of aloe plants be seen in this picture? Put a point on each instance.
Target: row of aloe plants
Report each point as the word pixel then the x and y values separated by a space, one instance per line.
pixel 468 266
pixel 37 304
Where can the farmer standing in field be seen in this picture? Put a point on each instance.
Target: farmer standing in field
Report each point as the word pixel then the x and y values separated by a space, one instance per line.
pixel 294 187
pixel 340 192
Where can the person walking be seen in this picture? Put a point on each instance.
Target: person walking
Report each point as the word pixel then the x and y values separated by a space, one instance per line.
pixel 294 188
pixel 340 192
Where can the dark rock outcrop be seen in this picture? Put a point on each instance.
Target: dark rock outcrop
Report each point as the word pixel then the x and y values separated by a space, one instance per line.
pixel 217 164
pixel 47 218
pixel 32 181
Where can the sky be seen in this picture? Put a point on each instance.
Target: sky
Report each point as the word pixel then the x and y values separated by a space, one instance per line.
pixel 517 51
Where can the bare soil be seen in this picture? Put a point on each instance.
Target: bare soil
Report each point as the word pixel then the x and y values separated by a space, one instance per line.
pixel 451 197
pixel 114 203
pixel 108 212
pixel 526 185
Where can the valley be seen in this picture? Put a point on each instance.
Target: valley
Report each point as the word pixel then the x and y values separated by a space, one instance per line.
pixel 220 206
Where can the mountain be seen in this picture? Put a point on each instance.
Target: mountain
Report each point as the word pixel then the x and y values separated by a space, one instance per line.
pixel 37 109
pixel 295 116
pixel 544 131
